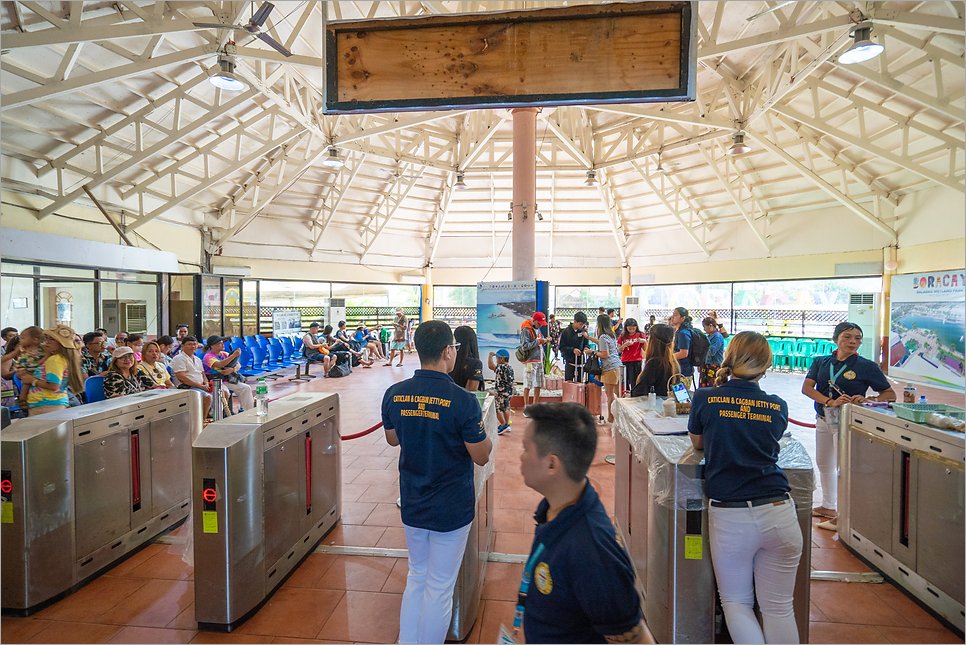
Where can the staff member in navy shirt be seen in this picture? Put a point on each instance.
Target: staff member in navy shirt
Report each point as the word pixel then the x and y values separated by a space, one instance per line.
pixel 852 377
pixel 756 543
pixel 578 583
pixel 439 429
pixel 680 320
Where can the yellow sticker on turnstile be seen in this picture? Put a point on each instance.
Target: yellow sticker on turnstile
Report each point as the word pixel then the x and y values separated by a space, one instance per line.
pixel 6 515
pixel 209 521
pixel 693 547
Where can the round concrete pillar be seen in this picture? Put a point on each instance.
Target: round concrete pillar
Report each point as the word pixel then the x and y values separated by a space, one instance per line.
pixel 524 190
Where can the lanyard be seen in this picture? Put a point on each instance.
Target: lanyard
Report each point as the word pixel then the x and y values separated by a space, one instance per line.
pixel 525 586
pixel 833 376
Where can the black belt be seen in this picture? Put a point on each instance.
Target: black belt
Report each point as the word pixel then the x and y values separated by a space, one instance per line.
pixel 761 501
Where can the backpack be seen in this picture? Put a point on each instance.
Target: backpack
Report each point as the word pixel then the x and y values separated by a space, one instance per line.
pixel 699 348
pixel 340 369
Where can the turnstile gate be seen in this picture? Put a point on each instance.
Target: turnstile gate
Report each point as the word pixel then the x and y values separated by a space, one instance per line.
pixel 266 490
pixel 86 486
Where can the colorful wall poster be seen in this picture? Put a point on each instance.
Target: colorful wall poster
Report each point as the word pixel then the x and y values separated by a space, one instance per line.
pixel 501 309
pixel 927 328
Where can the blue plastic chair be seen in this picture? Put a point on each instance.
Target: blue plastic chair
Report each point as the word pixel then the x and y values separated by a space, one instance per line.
pixel 250 342
pixel 262 342
pixel 275 354
pixel 94 389
pixel 260 362
pixel 200 353
pixel 245 361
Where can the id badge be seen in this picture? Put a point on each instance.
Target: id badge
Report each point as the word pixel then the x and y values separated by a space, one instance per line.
pixel 506 636
pixel 833 416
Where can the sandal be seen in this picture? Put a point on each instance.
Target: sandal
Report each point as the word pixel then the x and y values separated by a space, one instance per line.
pixel 828 525
pixel 821 511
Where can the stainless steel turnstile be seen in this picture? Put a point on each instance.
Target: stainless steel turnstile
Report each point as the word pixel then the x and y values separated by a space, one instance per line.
pixel 661 512
pixel 266 490
pixel 469 582
pixel 84 487
pixel 902 504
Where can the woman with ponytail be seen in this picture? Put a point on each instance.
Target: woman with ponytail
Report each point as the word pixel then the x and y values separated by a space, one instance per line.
pixel 755 540
pixel 659 363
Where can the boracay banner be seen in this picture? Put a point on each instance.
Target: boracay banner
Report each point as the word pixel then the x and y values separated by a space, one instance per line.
pixel 927 328
pixel 501 309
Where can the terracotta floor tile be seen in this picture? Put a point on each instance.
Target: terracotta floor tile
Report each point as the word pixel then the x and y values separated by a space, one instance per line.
pixel 825 539
pixel 518 543
pixel 356 573
pixel 309 572
pixel 295 641
pixel 152 635
pixel 356 512
pixel 502 581
pixel 356 535
pixel 374 461
pixel 390 451
pixel 349 475
pixel 163 565
pixel 377 477
pixel 525 500
pixel 184 620
pixel 20 630
pixel 218 638
pixel 155 604
pixel 93 600
pixel 59 632
pixel 299 613
pixel 512 520
pixel 815 614
pixel 351 492
pixel 907 607
pixel 836 560
pixel 843 633
pixel 369 450
pixel 124 568
pixel 393 538
pixel 856 603
pixel 495 613
pixel 381 494
pixel 385 515
pixel 508 481
pixel 918 635
pixel 364 617
pixel 396 582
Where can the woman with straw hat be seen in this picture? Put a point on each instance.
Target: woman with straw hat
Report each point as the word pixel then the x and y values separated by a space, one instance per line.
pixel 60 370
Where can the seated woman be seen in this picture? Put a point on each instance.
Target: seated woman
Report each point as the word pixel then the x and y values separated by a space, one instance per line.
pixel 59 374
pixel 166 344
pixel 136 343
pixel 220 364
pixel 338 346
pixel 366 341
pixel 153 365
pixel 659 363
pixel 123 376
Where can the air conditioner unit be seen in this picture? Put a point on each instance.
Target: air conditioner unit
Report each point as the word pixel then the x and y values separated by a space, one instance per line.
pixel 334 312
pixel 864 312
pixel 134 317
pixel 632 308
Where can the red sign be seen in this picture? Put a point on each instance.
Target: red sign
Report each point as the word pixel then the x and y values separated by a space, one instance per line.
pixel 6 486
pixel 208 495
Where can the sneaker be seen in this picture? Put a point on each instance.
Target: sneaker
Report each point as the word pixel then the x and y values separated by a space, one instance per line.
pixel 502 429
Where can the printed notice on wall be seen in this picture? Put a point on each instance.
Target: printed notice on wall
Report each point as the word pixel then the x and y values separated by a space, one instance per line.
pixel 927 329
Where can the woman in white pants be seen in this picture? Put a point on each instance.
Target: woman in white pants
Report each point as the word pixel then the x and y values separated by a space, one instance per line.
pixel 756 543
pixel 832 381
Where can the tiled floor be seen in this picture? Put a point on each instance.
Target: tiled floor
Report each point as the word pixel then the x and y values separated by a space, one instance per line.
pixel 332 598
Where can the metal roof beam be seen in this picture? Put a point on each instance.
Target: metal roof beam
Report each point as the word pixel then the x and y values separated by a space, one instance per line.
pixel 381 227
pixel 734 198
pixel 338 201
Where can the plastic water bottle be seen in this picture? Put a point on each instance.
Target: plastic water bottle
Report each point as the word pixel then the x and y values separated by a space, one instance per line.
pixel 922 399
pixel 261 398
pixel 652 399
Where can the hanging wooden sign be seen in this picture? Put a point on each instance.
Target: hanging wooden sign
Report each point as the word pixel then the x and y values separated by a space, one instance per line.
pixel 584 55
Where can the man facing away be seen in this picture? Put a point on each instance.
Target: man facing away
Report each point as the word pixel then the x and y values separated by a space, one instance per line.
pixel 532 342
pixel 439 429
pixel 578 583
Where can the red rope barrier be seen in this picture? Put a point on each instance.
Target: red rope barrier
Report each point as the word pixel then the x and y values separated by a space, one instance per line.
pixel 801 423
pixel 363 433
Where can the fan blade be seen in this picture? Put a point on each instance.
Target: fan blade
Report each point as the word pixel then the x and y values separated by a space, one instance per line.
pixel 768 11
pixel 216 25
pixel 262 14
pixel 274 44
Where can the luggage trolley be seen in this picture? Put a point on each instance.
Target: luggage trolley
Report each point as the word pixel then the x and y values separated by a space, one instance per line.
pixel 266 490
pixel 84 487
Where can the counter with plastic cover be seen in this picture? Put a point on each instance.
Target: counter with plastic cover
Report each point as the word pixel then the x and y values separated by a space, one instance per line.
pixel 660 511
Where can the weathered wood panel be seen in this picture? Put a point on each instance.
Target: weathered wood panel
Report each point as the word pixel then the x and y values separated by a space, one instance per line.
pixel 628 52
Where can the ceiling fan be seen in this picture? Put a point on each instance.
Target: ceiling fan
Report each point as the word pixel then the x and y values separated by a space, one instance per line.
pixel 253 27
pixel 770 9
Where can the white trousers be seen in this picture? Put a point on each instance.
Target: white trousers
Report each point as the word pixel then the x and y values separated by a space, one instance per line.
pixel 826 458
pixel 427 603
pixel 244 391
pixel 756 550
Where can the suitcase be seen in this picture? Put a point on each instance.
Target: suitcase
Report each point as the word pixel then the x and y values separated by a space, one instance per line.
pixel 574 391
pixel 595 395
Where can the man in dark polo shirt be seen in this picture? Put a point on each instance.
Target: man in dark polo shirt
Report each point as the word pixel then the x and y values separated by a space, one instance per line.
pixel 578 583
pixel 439 429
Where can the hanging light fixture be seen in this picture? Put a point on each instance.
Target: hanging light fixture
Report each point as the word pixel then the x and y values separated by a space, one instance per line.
pixel 460 184
pixel 332 160
pixel 225 78
pixel 862 48
pixel 591 178
pixel 739 147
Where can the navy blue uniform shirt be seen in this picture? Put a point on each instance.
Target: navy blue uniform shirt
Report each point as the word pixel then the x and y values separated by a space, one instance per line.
pixel 741 426
pixel 858 376
pixel 433 417
pixel 582 586
pixel 682 340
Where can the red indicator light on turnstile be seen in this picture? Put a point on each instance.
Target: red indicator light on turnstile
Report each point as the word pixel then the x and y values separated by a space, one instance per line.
pixel 208 495
pixel 6 486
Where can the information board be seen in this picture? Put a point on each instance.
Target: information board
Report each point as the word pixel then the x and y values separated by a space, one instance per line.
pixel 286 322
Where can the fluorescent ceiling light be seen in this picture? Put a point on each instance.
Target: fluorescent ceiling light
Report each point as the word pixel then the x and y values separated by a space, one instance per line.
pixel 862 49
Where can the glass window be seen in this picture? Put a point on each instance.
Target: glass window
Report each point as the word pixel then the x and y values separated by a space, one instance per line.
pixel 14 267
pixel 129 276
pixel 182 303
pixel 375 304
pixel 455 305
pixel 231 301
pixel 17 297
pixel 66 272
pixel 568 301
pixel 129 307
pixel 250 307
pixel 210 306
pixel 68 303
